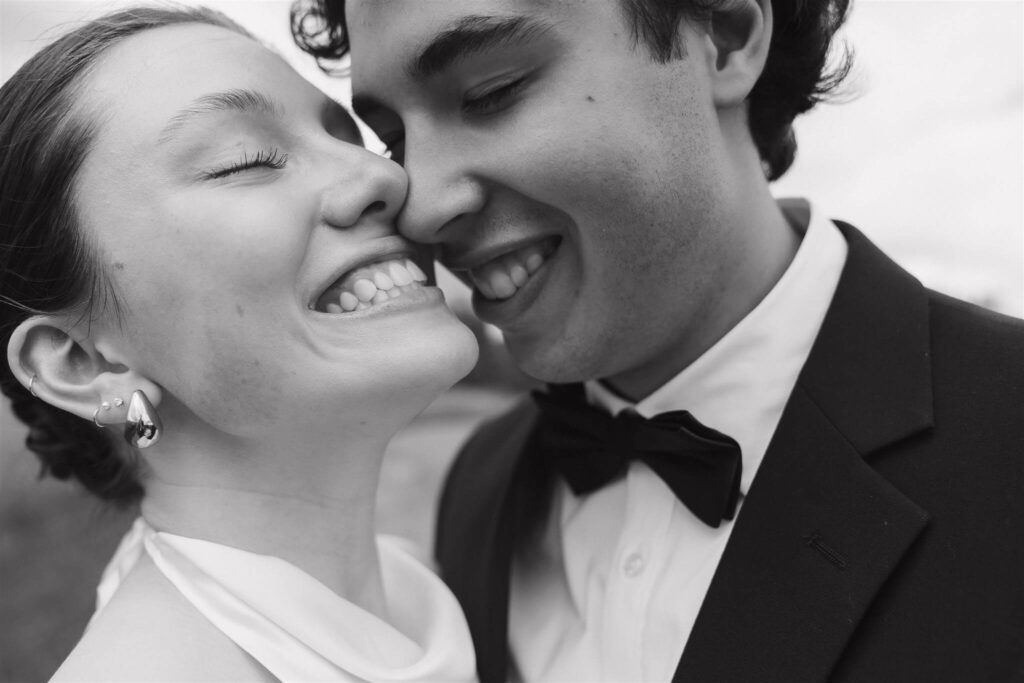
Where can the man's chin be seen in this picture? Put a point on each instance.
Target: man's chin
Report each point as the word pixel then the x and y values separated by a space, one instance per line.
pixel 548 359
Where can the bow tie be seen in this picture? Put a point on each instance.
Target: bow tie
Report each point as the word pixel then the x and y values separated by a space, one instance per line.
pixel 591 448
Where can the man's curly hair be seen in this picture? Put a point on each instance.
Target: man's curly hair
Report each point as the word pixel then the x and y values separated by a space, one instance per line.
pixel 796 75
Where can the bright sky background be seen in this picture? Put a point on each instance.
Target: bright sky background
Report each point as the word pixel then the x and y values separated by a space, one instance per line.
pixel 927 159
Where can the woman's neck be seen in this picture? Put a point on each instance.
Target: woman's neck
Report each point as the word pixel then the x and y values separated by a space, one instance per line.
pixel 314 509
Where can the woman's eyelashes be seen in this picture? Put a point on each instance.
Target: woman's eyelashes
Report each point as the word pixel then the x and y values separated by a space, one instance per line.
pixel 493 99
pixel 272 159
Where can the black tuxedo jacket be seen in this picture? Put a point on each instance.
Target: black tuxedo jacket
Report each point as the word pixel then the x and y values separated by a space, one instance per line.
pixel 883 537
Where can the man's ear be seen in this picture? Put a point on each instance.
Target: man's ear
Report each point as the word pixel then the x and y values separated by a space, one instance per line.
pixel 738 38
pixel 70 372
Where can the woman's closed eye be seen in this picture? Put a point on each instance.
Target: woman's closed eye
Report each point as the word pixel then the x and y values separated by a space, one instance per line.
pixel 272 159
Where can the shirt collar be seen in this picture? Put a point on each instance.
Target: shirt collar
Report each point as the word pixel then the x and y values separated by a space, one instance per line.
pixel 741 384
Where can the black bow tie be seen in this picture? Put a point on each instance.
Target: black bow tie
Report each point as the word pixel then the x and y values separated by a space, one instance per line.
pixel 591 448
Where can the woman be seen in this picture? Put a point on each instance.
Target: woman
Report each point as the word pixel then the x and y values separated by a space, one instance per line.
pixel 198 254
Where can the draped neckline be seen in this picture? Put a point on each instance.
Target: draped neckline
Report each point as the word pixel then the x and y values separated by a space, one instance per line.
pixel 295 626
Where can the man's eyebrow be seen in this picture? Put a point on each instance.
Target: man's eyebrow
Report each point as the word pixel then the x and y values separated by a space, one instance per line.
pixel 470 35
pixel 228 100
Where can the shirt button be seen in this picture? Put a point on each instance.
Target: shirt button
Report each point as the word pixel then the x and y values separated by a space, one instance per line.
pixel 634 565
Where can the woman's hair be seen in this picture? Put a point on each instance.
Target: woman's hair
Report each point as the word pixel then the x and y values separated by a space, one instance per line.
pixel 47 266
pixel 795 76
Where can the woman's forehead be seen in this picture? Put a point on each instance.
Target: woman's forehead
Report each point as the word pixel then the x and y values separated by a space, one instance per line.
pixel 148 79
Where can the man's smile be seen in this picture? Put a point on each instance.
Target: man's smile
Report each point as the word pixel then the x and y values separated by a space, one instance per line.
pixel 501 277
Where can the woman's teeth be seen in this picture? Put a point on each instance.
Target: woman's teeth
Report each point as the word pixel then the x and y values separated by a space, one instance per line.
pixel 372 285
pixel 504 276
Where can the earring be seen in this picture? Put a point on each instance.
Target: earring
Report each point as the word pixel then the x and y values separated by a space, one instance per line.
pixel 96 414
pixel 143 427
pixel 31 382
pixel 105 406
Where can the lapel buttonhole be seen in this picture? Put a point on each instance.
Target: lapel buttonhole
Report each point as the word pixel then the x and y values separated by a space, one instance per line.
pixel 835 557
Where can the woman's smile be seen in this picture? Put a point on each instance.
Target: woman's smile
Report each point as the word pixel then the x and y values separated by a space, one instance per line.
pixel 375 291
pixel 372 285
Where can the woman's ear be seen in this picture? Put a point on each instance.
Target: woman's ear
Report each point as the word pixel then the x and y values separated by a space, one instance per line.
pixel 738 37
pixel 71 373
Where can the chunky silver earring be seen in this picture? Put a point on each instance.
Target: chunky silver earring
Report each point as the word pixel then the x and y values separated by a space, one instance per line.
pixel 31 382
pixel 143 427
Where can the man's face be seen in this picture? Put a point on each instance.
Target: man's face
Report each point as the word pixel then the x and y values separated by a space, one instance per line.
pixel 573 180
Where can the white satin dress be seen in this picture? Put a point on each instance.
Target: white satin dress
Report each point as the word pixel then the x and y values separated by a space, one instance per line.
pixel 299 629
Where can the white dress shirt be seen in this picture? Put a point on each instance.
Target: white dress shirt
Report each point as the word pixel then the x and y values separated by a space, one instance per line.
pixel 612 591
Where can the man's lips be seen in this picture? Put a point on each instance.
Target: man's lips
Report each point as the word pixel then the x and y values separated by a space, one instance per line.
pixel 500 277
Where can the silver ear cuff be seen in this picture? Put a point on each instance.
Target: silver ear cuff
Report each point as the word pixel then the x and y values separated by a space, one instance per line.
pixel 105 406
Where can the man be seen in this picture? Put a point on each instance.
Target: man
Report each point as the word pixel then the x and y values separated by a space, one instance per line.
pixel 598 171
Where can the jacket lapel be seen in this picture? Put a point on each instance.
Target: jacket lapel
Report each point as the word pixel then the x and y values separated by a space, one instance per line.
pixel 820 530
pixel 477 538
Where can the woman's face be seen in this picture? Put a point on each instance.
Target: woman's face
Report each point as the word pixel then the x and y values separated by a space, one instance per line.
pixel 239 217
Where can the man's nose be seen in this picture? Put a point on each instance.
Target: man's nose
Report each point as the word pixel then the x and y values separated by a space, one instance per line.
pixel 443 190
pixel 368 188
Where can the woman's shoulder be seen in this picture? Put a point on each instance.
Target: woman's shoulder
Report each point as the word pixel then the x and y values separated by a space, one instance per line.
pixel 150 632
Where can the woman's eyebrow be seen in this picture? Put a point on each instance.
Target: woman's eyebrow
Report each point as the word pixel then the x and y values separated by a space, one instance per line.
pixel 227 100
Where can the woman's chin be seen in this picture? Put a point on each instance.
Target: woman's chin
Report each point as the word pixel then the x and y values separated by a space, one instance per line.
pixel 374 383
pixel 464 352
pixel 439 362
pixel 416 374
pixel 436 352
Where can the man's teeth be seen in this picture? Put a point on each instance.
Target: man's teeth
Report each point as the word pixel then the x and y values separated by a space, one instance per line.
pixel 372 285
pixel 502 277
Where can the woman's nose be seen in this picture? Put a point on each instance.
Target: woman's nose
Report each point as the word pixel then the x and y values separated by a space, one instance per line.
pixel 373 189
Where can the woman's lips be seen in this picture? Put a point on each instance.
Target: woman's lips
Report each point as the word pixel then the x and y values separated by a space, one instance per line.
pixel 371 285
